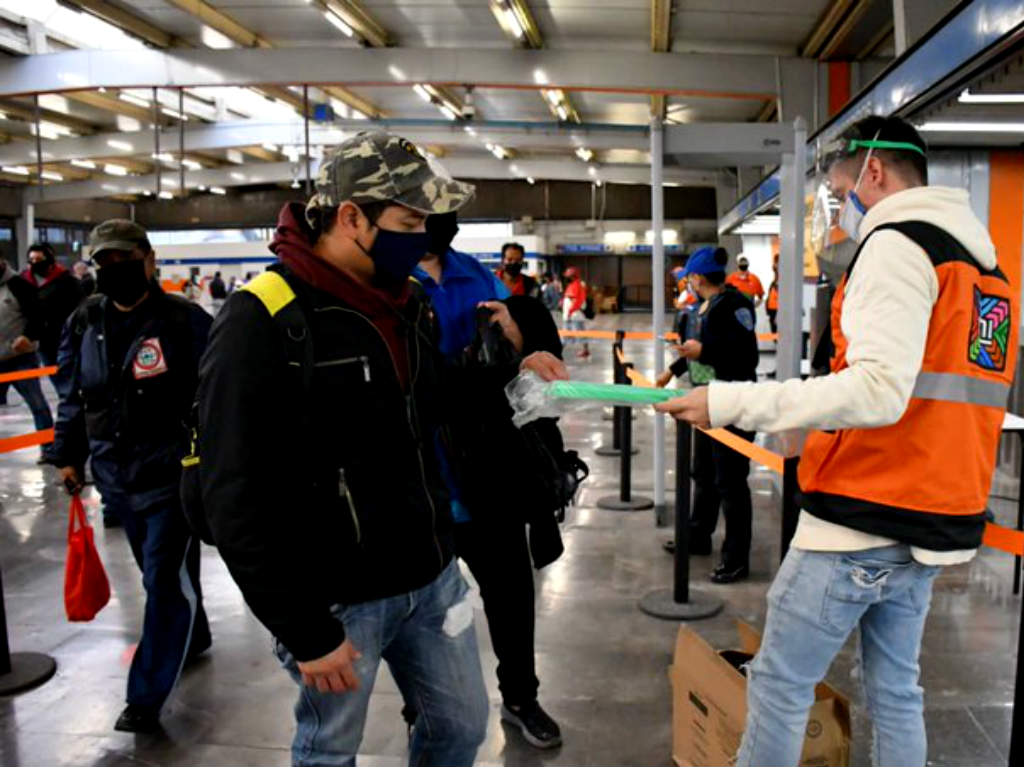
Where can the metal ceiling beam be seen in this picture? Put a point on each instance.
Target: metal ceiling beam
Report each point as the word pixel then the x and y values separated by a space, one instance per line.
pixel 661 33
pixel 230 28
pixel 825 27
pixel 361 22
pixel 26 113
pixel 111 103
pixel 253 133
pixel 127 21
pixel 845 28
pixel 284 172
pixel 684 74
pixel 876 41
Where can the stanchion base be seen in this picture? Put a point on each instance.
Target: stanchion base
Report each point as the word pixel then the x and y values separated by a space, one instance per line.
pixel 661 604
pixel 612 452
pixel 615 503
pixel 28 669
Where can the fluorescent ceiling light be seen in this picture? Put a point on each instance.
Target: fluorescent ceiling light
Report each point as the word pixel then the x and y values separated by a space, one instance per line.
pixel 110 188
pixel 16 170
pixel 163 157
pixel 966 97
pixel 498 151
pixel 447 111
pixel 52 176
pixel 584 154
pixel 84 164
pixel 514 168
pixel 173 113
pixel 115 170
pixel 218 190
pixel 540 77
pixel 211 38
pixel 234 156
pixel 563 114
pixel 295 183
pixel 619 237
pixel 599 182
pixel 166 195
pixel 123 146
pixel 396 73
pixel 530 181
pixel 127 124
pixel 668 236
pixel 470 130
pixel 592 170
pixel 337 21
pixel 192 164
pixel 53 102
pixel 131 98
pixel 269 147
pixel 422 92
pixel 554 97
pixel 513 22
pixel 971 127
pixel 3 115
pixel 201 187
pixel 238 176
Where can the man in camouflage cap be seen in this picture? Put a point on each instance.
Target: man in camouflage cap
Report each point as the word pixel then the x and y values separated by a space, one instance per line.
pixel 319 408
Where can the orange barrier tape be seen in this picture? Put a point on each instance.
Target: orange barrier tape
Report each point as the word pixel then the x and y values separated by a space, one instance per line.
pixel 21 375
pixel 1004 538
pixel 761 455
pixel 43 437
pixel 639 379
pixel 609 335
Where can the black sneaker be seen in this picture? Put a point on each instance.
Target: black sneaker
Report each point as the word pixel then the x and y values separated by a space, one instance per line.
pixel 136 718
pixel 537 727
pixel 725 575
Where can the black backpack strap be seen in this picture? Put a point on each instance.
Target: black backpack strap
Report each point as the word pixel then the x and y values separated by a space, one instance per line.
pixel 276 294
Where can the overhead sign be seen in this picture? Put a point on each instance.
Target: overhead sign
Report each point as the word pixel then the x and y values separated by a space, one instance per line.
pixel 591 247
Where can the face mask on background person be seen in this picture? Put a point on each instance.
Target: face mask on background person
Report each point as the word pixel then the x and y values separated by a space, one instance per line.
pixel 124 282
pixel 514 268
pixel 41 268
pixel 744 266
pixel 852 213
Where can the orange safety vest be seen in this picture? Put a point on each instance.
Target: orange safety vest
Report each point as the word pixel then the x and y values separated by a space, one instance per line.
pixel 925 479
pixel 772 304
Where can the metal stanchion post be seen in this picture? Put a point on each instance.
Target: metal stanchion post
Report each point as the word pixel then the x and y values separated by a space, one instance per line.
pixel 680 603
pixel 1016 723
pixel 625 501
pixel 790 509
pixel 21 670
pixel 619 377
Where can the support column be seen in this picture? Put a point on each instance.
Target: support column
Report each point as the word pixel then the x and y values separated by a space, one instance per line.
pixel 658 304
pixel 912 19
pixel 25 232
pixel 791 256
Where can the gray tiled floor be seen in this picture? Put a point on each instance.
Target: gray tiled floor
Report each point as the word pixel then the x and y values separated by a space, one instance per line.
pixel 602 663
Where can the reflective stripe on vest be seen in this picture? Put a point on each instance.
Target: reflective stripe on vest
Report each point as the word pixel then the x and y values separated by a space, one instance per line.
pixel 950 387
pixel 272 290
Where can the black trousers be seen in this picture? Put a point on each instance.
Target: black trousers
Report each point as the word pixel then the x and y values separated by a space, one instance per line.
pixel 720 475
pixel 499 558
pixel 773 319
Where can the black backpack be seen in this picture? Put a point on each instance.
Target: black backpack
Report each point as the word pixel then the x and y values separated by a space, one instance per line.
pixel 274 292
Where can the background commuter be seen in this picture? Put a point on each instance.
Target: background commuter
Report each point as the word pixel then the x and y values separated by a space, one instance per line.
pixel 771 305
pixel 720 345
pixel 21 328
pixel 218 293
pixel 340 429
pixel 127 416
pixel 895 483
pixel 574 300
pixel 59 295
pixel 86 282
pixel 550 292
pixel 511 272
pixel 490 526
pixel 746 282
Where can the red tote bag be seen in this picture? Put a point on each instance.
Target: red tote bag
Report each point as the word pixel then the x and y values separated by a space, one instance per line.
pixel 86 588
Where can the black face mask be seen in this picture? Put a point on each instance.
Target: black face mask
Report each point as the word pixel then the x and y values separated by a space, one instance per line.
pixel 124 282
pixel 442 228
pixel 514 269
pixel 41 268
pixel 744 267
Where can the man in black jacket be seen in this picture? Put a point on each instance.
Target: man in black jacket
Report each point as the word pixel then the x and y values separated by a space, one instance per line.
pixel 319 476
pixel 130 355
pixel 59 295
pixel 721 345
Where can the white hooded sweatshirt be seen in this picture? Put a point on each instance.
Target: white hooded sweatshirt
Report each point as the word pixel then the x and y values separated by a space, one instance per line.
pixel 886 311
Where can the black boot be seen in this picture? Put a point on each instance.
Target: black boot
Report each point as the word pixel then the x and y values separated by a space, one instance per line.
pixel 136 718
pixel 537 727
pixel 726 573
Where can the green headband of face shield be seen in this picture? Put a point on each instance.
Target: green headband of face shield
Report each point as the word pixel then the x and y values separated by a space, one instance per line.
pixel 843 148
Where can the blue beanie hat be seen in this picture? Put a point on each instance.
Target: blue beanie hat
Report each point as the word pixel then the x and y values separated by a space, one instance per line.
pixel 707 260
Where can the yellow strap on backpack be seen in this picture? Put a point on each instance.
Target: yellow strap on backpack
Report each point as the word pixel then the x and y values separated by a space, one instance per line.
pixel 272 290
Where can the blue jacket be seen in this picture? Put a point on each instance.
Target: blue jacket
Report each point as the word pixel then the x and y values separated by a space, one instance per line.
pixel 130 415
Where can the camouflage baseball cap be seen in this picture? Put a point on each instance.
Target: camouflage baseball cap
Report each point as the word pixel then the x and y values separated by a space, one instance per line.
pixel 116 234
pixel 377 166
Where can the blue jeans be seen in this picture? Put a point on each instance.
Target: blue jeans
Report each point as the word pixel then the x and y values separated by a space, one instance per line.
pixel 29 389
pixel 815 603
pixel 429 643
pixel 575 322
pixel 175 623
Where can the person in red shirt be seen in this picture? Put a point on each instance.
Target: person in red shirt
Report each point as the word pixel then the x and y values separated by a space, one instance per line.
pixel 573 301
pixel 746 282
pixel 511 271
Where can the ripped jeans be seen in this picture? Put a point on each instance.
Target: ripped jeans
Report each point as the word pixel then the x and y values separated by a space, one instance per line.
pixel 815 603
pixel 429 643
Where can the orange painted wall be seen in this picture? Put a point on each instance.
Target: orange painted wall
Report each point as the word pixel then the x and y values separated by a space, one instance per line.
pixel 838 86
pixel 1006 212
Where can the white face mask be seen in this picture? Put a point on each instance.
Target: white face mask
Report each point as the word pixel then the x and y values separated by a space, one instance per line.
pixel 852 212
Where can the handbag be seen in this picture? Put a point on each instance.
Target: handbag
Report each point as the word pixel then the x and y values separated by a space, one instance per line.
pixel 86 588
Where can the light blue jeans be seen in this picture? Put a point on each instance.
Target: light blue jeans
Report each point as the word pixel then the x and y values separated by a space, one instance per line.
pixel 428 641
pixel 576 321
pixel 815 603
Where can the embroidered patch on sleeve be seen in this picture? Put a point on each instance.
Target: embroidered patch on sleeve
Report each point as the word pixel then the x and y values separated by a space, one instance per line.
pixel 746 318
pixel 990 331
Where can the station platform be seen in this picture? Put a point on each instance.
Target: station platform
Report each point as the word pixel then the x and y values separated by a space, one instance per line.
pixel 602 663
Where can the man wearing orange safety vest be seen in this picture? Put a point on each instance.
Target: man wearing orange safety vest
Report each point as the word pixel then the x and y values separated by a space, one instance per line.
pixel 771 305
pixel 746 282
pixel 895 481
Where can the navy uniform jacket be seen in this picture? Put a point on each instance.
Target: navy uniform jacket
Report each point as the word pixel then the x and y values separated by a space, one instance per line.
pixel 130 414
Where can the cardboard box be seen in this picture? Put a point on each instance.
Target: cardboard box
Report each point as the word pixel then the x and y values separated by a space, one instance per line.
pixel 709 706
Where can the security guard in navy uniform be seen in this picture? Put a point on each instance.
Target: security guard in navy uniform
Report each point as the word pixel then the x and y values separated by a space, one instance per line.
pixel 721 345
pixel 131 354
